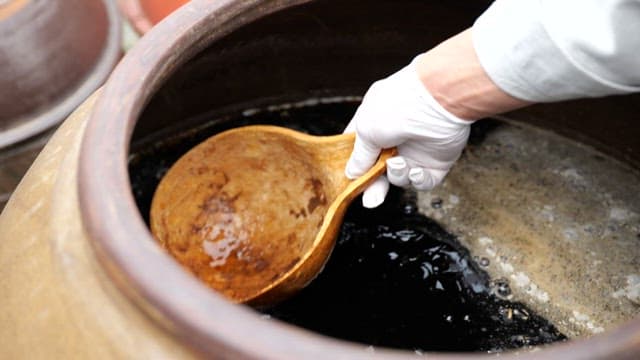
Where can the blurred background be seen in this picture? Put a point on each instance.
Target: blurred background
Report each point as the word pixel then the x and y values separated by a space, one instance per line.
pixel 53 55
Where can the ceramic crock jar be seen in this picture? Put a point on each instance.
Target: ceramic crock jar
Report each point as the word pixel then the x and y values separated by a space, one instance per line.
pixel 82 275
pixel 53 55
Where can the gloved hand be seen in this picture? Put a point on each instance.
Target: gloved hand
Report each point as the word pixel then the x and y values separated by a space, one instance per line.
pixel 400 111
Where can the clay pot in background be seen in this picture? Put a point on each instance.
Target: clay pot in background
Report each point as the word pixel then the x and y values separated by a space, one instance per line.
pixel 143 14
pixel 53 54
pixel 158 9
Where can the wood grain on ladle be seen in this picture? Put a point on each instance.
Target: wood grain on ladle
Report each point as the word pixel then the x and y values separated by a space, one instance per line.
pixel 254 211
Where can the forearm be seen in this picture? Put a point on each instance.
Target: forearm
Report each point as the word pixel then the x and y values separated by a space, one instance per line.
pixel 549 50
pixel 454 76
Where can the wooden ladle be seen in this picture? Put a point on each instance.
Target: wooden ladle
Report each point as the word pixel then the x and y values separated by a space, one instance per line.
pixel 254 211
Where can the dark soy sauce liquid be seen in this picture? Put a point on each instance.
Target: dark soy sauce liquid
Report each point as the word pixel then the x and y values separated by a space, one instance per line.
pixel 395 278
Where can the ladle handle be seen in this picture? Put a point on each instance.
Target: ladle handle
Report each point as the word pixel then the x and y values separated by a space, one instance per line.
pixel 333 152
pixel 357 186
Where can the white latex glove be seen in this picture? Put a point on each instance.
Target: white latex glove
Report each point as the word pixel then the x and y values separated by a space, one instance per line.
pixel 400 111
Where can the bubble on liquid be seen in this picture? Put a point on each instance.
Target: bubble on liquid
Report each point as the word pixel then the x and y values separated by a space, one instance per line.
pixel 501 288
pixel 521 314
pixel 436 203
pixel 521 340
pixel 405 235
pixel 484 262
pixel 427 269
pixel 409 209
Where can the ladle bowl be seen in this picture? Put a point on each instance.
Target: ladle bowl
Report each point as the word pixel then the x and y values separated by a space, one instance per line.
pixel 254 211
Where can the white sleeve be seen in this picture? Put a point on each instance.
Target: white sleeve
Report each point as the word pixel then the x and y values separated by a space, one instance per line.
pixel 551 50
